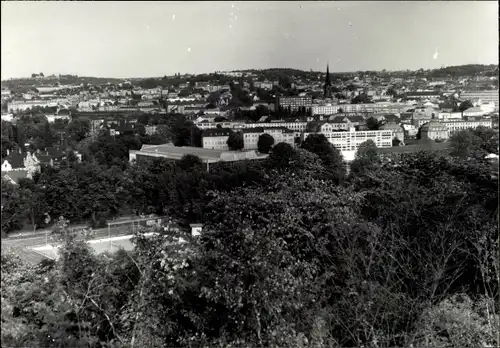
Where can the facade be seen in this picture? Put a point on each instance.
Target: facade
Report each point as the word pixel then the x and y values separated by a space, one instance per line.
pixel 280 135
pixel 329 109
pixel 295 126
pixel 397 130
pixel 485 96
pixel 216 138
pixel 348 142
pixel 474 112
pixel 294 103
pixel 449 115
pixel 434 130
pixel 457 126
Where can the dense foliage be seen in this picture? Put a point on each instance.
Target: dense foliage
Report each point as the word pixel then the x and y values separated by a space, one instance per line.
pixel 404 253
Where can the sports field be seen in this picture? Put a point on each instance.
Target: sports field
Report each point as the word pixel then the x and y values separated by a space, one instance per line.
pixel 99 245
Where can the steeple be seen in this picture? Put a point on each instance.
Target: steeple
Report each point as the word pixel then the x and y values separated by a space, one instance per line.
pixel 328 84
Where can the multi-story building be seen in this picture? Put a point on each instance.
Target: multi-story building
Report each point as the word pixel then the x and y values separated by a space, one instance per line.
pixel 449 116
pixel 216 138
pixel 294 103
pixel 280 135
pixel 295 126
pixel 329 109
pixel 457 126
pixel 485 96
pixel 348 142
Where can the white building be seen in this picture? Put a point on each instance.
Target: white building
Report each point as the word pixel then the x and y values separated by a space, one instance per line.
pixel 216 138
pixel 348 142
pixel 449 115
pixel 485 96
pixel 280 135
pixel 457 126
pixel 474 112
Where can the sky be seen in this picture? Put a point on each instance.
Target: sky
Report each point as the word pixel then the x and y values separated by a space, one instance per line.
pixel 149 39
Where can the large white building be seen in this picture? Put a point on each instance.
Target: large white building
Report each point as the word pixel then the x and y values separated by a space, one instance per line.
pixel 216 138
pixel 457 126
pixel 484 96
pixel 295 126
pixel 348 142
pixel 384 107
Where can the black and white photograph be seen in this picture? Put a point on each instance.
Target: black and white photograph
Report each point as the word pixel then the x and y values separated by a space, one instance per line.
pixel 250 174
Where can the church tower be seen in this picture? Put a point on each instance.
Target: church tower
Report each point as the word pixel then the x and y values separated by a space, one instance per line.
pixel 328 84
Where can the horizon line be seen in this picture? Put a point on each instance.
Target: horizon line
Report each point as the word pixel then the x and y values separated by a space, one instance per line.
pixel 249 69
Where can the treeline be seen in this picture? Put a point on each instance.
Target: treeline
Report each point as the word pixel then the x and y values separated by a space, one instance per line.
pixel 294 253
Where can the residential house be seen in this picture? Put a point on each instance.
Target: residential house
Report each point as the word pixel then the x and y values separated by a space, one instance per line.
pixel 15 176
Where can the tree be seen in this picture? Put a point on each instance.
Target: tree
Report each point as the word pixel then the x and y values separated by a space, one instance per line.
pixel 372 123
pixel 78 129
pixel 265 143
pixel 48 137
pixel 235 141
pixel 283 156
pixel 189 162
pixel 360 99
pixel 396 142
pixel 329 155
pixel 466 104
pixel 366 157
pixel 475 143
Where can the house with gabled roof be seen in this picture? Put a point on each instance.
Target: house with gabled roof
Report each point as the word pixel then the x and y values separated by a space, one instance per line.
pixel 14 177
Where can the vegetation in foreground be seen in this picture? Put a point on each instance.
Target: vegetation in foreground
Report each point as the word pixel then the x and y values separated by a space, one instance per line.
pixel 293 253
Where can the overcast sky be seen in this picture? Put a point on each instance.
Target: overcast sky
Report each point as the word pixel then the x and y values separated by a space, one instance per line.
pixel 142 39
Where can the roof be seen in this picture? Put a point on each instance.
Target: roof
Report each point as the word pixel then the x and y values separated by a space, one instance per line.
pixel 216 132
pixel 313 127
pixel 177 152
pixel 16 175
pixel 423 93
pixel 356 118
pixel 391 118
pixel 433 126
pixel 15 159
pixel 391 126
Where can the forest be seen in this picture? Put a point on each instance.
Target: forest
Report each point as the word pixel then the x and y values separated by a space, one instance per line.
pixel 294 252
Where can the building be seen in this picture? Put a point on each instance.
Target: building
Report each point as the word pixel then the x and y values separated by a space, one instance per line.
pixel 474 112
pixel 175 153
pixel 434 130
pixel 397 130
pixel 328 84
pixel 348 142
pixel 216 138
pixel 484 96
pixel 294 103
pixel 279 134
pixel 457 126
pixel 449 116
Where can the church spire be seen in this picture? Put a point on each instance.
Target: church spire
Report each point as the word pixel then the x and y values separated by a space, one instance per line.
pixel 328 84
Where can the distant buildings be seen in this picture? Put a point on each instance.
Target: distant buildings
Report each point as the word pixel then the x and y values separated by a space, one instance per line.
pixel 294 103
pixel 485 96
pixel 216 138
